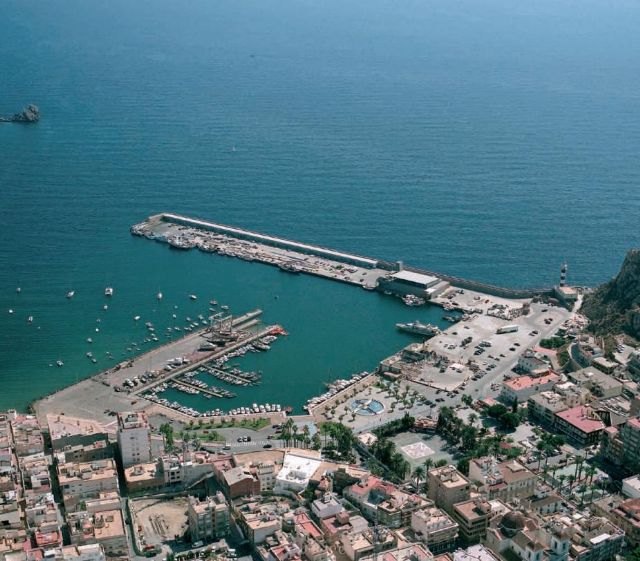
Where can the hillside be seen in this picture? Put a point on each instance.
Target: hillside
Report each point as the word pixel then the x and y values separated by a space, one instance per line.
pixel 614 307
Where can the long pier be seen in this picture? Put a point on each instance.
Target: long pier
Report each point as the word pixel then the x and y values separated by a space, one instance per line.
pixel 183 232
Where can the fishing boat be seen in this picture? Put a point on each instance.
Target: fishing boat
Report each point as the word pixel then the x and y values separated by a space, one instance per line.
pixel 71 294
pixel 418 328
pixel 108 291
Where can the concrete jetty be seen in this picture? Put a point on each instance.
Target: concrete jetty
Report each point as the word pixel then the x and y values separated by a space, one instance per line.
pixel 97 398
pixel 183 232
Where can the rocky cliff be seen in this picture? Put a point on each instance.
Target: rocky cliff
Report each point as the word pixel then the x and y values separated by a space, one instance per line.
pixel 615 306
pixel 30 114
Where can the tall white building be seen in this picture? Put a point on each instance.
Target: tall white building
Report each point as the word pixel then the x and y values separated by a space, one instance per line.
pixel 134 439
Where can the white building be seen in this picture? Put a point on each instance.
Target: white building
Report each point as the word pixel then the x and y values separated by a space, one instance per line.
pixel 134 438
pixel 327 506
pixel 631 487
pixel 296 472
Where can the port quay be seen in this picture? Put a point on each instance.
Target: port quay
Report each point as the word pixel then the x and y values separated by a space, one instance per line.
pixel 484 319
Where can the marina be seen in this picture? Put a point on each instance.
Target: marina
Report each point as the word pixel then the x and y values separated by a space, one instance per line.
pixel 213 345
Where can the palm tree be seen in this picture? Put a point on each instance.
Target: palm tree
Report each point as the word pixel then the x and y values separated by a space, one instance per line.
pixel 295 436
pixel 561 479
pixel 578 472
pixel 473 417
pixel 306 435
pixel 571 479
pixel 418 475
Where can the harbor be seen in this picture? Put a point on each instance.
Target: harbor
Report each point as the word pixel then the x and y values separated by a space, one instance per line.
pixel 140 383
pixel 214 356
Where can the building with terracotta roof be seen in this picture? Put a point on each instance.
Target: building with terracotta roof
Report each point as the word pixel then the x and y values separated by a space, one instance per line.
pixel 521 388
pixel 581 424
pixel 626 515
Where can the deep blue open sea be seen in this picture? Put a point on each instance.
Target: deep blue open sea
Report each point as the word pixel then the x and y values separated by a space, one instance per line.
pixel 485 138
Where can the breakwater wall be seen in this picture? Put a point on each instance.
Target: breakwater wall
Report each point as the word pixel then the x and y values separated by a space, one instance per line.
pixel 383 266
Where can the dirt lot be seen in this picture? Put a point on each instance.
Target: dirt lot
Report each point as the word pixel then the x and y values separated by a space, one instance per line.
pixel 161 519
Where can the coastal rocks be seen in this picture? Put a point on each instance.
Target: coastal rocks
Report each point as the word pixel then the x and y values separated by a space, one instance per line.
pixel 615 305
pixel 30 114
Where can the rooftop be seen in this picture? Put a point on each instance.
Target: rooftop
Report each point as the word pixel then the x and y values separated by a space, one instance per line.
pixel 526 382
pixel 63 425
pixel 132 420
pixel 474 553
pixel 583 418
pixel 418 278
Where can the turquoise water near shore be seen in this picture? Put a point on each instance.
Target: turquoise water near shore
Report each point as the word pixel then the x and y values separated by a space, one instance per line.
pixel 485 139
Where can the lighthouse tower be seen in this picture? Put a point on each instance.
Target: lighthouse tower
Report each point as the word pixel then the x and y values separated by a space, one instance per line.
pixel 563 274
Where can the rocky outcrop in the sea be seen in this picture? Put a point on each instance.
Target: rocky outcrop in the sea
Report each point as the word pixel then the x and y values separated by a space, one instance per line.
pixel 615 306
pixel 30 114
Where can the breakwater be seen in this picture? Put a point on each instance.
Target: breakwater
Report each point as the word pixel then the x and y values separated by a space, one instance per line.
pixel 182 232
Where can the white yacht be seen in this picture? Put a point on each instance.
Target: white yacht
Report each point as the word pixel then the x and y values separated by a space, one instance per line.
pixel 108 291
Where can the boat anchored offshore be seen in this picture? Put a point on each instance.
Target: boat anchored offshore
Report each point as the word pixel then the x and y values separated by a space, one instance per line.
pixel 418 328
pixel 108 291
pixel 71 294
pixel 159 296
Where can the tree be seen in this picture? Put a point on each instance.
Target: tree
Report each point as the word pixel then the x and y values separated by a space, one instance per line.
pixel 463 466
pixel 467 400
pixel 306 435
pixel 316 441
pixel 418 475
pixel 167 432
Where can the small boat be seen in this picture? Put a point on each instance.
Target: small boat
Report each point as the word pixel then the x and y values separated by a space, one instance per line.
pixel 97 330
pixel 71 294
pixel 59 363
pixel 159 296
pixel 213 303
pixel 108 291
pixel 89 354
pixel 193 297
pixel 89 340
pixel 224 307
pixel 136 318
pixel 10 311
pixel 18 290
pixel 105 307
pixel 93 360
pixel 30 319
